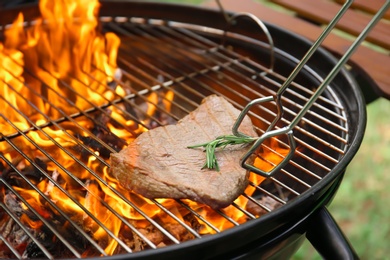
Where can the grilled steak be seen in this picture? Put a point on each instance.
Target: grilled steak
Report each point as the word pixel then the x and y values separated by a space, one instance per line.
pixel 158 163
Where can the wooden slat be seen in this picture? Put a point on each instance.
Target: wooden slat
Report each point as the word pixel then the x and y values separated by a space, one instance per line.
pixel 352 22
pixel 369 6
pixel 376 64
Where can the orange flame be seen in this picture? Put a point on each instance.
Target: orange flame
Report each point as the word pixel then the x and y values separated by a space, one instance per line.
pixel 67 53
pixel 63 55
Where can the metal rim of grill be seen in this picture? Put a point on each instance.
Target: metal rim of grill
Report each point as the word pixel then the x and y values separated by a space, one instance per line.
pixel 199 67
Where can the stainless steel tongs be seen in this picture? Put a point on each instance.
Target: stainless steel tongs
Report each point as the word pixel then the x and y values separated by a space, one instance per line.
pixel 288 130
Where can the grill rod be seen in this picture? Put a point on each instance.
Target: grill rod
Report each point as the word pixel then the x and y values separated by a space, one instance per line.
pixel 288 130
pixel 38 128
pixel 223 65
pixel 233 19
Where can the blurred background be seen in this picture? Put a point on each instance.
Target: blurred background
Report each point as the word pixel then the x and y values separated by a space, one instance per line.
pixel 360 204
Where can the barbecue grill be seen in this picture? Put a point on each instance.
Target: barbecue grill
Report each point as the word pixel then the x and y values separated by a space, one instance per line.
pixel 170 58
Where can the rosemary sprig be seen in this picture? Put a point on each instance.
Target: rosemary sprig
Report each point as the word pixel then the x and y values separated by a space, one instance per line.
pixel 220 142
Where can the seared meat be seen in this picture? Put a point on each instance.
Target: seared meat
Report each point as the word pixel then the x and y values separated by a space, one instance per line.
pixel 158 163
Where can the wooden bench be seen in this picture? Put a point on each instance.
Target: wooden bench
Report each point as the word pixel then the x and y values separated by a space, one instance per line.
pixel 308 17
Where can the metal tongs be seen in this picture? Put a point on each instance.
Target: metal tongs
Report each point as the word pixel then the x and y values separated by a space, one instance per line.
pixel 288 130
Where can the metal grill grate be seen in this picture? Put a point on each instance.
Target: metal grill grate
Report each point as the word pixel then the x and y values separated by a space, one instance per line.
pixel 155 57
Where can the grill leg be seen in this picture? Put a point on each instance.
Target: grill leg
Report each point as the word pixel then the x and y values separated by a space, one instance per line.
pixel 327 238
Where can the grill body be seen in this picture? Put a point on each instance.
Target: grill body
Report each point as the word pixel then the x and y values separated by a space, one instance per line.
pixel 211 69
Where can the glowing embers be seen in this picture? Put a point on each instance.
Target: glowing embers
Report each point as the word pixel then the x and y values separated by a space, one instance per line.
pixel 55 179
pixel 67 189
pixel 54 147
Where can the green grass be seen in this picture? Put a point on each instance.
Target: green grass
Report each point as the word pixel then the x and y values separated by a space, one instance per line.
pixel 360 206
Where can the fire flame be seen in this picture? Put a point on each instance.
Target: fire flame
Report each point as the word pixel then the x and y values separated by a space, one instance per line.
pixel 61 59
pixel 63 47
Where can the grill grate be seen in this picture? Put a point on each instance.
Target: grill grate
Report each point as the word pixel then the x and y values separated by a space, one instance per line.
pixel 156 57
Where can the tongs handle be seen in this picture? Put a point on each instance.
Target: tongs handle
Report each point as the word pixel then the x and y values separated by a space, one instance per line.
pixel 288 130
pixel 262 138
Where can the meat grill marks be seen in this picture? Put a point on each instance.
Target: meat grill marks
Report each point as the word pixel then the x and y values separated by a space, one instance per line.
pixel 198 68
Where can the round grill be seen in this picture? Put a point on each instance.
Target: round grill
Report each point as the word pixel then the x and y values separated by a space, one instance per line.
pixel 169 67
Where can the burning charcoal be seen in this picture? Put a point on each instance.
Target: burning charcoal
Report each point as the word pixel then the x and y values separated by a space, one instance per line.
pixel 14 179
pixel 50 185
pixel 130 115
pixel 158 238
pixel 131 239
pixel 11 230
pixel 2 166
pixel 30 171
pixel 151 233
pixel 33 251
pixel 47 241
pixel 15 235
pixel 130 109
pixel 107 137
pixel 50 242
pixel 102 132
pixel 100 120
pixel 114 142
pixel 6 228
pixel 128 105
pixel 162 117
pixel 4 254
pixel 193 222
pixel 117 76
pixel 178 231
pixel 266 201
pixel 13 204
pixel 153 111
pixel 19 238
